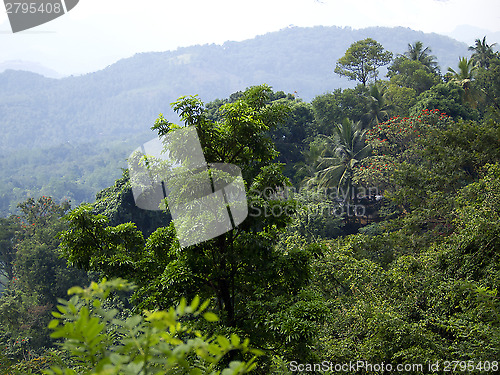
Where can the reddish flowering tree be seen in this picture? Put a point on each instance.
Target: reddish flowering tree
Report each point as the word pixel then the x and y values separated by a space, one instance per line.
pixel 41 210
pixel 38 214
pixel 394 142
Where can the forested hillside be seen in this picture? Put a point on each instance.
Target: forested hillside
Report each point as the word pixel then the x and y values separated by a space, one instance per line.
pixel 370 246
pixel 97 113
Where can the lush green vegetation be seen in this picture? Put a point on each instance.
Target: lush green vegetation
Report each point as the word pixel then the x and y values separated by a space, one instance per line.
pixel 373 236
pixel 68 138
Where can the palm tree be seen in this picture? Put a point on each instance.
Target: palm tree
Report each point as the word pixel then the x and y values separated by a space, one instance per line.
pixel 307 169
pixel 464 77
pixel 417 52
pixel 466 70
pixel 378 105
pixel 349 148
pixel 482 53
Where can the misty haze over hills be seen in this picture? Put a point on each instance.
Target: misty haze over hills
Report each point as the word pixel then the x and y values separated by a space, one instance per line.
pixel 112 110
pixel 47 63
pixel 29 66
pixel 126 97
pixel 468 34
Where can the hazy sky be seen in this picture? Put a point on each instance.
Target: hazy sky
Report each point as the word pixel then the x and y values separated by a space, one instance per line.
pixel 99 32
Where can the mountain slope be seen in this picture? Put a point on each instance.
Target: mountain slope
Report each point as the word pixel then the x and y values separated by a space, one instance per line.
pixel 126 97
pixel 108 113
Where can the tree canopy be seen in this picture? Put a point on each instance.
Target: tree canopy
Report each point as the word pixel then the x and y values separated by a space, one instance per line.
pixel 370 237
pixel 417 52
pixel 362 60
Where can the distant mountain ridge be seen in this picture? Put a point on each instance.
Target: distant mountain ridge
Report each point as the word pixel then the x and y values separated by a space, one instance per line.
pixel 469 34
pixel 69 137
pixel 125 98
pixel 29 66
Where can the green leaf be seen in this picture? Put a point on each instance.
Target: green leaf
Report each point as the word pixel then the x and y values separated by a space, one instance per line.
pixel 235 340
pixel 210 317
pixel 133 321
pixel 182 306
pixel 75 290
pixel 204 305
pixel 223 342
pixel 195 303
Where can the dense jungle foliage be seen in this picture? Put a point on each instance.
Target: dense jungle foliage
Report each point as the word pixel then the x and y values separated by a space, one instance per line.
pixel 68 138
pixel 372 238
